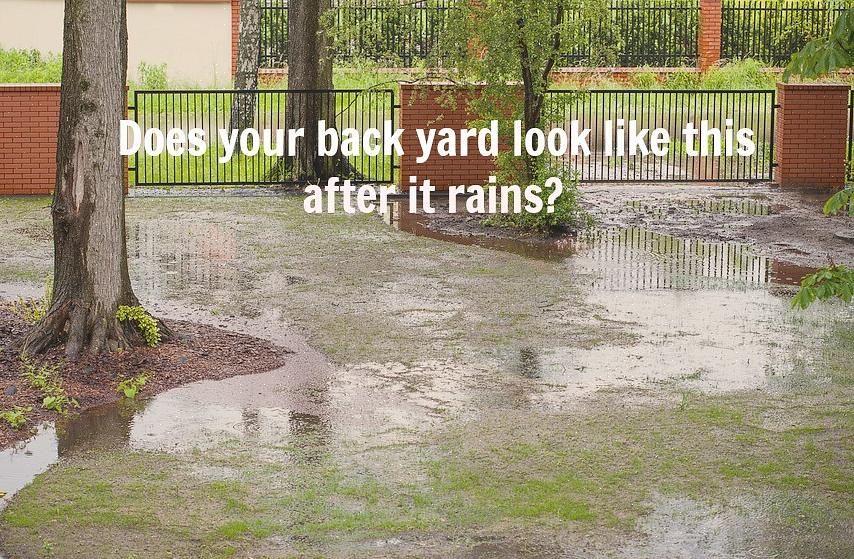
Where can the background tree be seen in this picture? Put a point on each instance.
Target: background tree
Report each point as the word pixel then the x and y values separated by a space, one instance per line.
pixel 90 277
pixel 818 57
pixel 248 58
pixel 508 50
pixel 309 68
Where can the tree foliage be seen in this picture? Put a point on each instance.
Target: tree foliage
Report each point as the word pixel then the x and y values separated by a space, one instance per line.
pixel 506 51
pixel 820 56
pixel 826 54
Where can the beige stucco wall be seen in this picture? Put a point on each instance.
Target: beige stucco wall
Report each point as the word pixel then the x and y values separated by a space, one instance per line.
pixel 193 38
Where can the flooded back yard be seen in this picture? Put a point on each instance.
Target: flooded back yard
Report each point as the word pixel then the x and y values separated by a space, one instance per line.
pixel 643 389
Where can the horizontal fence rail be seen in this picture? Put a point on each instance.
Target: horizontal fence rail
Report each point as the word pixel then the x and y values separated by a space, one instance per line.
pixel 211 110
pixel 773 30
pixel 671 110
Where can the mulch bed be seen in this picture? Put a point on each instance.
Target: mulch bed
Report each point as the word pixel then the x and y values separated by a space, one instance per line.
pixel 197 352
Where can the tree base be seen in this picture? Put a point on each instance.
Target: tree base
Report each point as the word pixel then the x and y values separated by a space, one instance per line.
pixel 84 331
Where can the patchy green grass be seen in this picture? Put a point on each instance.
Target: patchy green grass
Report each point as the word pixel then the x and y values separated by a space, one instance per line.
pixel 591 474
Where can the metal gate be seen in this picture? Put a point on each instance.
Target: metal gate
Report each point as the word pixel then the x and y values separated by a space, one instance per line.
pixel 671 110
pixel 210 110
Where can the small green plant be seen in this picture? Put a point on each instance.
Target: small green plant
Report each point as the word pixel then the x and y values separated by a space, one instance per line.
pixel 834 281
pixel 152 76
pixel 41 376
pixel 33 310
pixel 144 322
pixel 59 402
pixel 130 387
pixel 16 417
pixel 45 378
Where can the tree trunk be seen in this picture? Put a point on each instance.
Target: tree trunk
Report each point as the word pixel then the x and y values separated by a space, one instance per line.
pixel 91 275
pixel 309 68
pixel 248 57
pixel 309 75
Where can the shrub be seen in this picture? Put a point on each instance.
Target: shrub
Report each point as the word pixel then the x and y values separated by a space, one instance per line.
pixel 144 323
pixel 29 66
pixel 567 212
pixel 45 378
pixel 33 310
pixel 151 76
pixel 744 74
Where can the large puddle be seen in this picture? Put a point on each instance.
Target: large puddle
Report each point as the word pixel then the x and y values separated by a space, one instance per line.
pixel 706 315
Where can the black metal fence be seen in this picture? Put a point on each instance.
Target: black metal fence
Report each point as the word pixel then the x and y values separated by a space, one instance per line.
pixel 634 33
pixel 393 32
pixel 210 111
pixel 642 33
pixel 671 110
pixel 773 30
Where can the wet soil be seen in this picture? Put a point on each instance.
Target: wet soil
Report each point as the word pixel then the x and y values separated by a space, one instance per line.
pixel 197 352
pixel 786 225
pixel 640 392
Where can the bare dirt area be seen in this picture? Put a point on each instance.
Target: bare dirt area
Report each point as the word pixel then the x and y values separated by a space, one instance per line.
pixel 781 224
pixel 197 352
pixel 785 225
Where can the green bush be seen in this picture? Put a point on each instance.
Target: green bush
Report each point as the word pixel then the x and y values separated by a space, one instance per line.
pixel 144 322
pixel 29 66
pixel 744 74
pixel 151 76
pixel 567 213
pixel 131 387
pixel 16 417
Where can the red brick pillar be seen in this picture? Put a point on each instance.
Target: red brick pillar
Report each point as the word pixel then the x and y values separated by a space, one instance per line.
pixel 426 106
pixel 811 135
pixel 235 26
pixel 709 34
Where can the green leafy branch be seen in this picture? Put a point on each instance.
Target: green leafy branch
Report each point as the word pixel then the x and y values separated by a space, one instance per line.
pixel 146 324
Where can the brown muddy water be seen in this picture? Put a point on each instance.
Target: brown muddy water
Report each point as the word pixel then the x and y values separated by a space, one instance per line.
pixel 721 298
pixel 705 315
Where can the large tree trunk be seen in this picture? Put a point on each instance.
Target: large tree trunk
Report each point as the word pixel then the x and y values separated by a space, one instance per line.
pixel 248 56
pixel 309 68
pixel 90 254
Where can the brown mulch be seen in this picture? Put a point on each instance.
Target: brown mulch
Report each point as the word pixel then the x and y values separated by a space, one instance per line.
pixel 196 352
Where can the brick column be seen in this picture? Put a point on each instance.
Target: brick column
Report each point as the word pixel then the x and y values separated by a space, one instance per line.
pixel 709 34
pixel 425 106
pixel 29 122
pixel 235 31
pixel 811 135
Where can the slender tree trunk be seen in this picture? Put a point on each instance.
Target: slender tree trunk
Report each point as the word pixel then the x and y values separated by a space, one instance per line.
pixel 309 68
pixel 309 73
pixel 248 57
pixel 90 253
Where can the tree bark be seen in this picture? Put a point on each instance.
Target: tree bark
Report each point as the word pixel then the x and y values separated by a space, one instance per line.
pixel 248 58
pixel 310 99
pixel 309 70
pixel 91 276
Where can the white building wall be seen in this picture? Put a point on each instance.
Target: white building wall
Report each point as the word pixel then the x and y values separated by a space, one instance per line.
pixel 192 37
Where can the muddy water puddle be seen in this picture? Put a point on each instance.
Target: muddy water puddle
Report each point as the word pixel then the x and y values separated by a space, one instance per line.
pixel 702 315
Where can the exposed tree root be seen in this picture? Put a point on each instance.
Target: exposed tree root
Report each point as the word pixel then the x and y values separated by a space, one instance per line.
pixel 84 330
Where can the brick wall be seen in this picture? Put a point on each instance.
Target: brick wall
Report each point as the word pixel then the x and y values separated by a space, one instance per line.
pixel 709 34
pixel 811 135
pixel 29 122
pixel 422 107
pixel 235 32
